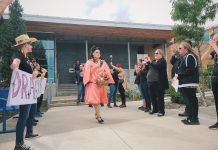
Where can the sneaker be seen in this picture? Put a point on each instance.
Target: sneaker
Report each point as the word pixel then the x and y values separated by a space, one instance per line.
pixel 35 120
pixel 190 122
pixel 147 110
pixel 215 126
pixel 38 115
pixel 160 114
pixel 140 108
pixel 31 135
pixel 184 114
pixel 22 147
pixel 115 105
pixel 152 112
pixel 109 106
pixel 34 123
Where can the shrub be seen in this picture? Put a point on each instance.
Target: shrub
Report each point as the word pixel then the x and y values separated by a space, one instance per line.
pixel 175 96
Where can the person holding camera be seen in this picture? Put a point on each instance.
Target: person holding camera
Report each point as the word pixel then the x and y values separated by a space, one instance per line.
pixel 122 83
pixel 157 82
pixel 213 54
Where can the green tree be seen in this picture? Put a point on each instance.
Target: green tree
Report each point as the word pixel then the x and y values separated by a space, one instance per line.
pixel 191 16
pixel 11 28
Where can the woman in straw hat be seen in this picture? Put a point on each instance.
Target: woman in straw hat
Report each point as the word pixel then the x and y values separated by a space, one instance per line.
pixel 21 61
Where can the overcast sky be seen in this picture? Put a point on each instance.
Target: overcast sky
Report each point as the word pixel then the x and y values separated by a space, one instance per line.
pixel 139 11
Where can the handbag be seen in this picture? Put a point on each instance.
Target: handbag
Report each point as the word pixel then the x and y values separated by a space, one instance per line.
pixel 102 81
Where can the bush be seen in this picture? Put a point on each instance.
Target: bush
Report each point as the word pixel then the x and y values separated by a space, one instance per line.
pixel 175 96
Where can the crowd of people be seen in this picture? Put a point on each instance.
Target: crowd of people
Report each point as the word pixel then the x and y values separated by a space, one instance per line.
pixel 151 79
pixel 94 77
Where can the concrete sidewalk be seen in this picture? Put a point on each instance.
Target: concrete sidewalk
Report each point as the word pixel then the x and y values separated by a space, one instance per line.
pixel 74 128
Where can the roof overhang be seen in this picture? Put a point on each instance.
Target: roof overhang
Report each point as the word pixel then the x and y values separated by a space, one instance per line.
pixel 84 27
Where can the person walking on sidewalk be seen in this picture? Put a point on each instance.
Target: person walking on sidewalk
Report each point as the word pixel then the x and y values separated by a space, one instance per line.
pixel 96 77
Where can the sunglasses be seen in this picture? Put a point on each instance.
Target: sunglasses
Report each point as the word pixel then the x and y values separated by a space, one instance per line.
pixel 156 53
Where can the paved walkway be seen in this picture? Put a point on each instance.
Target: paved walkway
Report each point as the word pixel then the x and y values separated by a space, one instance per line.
pixel 74 128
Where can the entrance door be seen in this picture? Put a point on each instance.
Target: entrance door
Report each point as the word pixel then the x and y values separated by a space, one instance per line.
pixel 67 55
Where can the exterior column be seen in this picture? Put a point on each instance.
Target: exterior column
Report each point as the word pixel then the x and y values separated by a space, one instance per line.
pixel 166 57
pixel 129 62
pixel 87 53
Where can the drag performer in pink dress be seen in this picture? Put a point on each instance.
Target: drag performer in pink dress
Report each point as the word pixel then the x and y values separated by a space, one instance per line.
pixel 96 77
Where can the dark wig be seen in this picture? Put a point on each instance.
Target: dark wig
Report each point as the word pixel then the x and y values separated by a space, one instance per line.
pixel 92 50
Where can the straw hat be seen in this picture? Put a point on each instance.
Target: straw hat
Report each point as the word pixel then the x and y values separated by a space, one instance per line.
pixel 24 38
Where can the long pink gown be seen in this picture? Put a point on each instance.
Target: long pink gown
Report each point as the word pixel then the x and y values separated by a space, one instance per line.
pixel 95 94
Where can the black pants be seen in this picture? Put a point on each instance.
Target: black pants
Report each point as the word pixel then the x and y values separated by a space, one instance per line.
pixel 193 103
pixel 157 97
pixel 122 93
pixel 39 102
pixel 215 93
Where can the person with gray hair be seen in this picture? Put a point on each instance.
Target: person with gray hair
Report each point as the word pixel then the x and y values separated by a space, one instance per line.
pixel 188 76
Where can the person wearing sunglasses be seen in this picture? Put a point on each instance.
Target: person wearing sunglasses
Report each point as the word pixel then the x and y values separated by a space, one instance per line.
pixel 212 53
pixel 22 62
pixel 188 76
pixel 157 82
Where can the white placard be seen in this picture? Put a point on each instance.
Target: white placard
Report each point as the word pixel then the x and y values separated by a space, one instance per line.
pixel 175 84
pixel 24 89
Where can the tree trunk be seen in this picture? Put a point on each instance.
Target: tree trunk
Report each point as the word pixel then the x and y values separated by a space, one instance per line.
pixel 202 81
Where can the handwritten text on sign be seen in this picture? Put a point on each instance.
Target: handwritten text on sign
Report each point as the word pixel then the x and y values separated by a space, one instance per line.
pixel 22 89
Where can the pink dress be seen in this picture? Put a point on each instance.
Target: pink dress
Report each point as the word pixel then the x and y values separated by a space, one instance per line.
pixel 95 94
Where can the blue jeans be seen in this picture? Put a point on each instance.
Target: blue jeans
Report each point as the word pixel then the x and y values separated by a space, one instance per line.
pixel 81 91
pixel 185 99
pixel 145 92
pixel 30 120
pixel 113 91
pixel 77 75
pixel 21 123
pixel 140 91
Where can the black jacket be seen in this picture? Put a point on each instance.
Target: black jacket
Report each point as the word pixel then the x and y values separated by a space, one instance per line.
pixel 175 61
pixel 188 73
pixel 161 66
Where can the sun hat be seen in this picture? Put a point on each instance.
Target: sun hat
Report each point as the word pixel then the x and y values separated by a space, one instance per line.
pixel 23 39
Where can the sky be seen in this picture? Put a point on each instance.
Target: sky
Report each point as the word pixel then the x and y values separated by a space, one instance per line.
pixel 134 11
